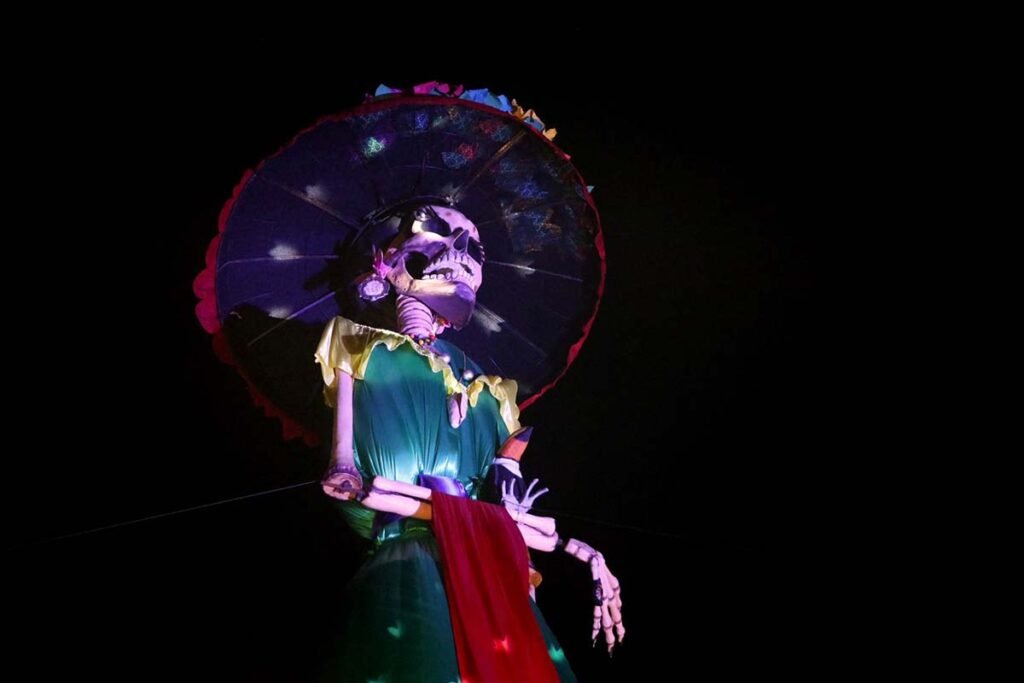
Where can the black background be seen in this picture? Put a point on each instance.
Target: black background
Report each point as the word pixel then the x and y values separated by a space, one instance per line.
pixel 689 442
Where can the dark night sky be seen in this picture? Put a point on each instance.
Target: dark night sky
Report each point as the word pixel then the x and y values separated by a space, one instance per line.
pixel 695 422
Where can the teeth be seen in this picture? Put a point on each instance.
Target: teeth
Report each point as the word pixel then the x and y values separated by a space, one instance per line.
pixel 453 275
pixel 452 262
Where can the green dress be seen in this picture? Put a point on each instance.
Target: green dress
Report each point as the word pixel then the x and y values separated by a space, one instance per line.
pixel 396 621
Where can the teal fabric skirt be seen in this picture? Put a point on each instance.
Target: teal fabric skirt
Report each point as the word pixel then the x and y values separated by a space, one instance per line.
pixel 396 627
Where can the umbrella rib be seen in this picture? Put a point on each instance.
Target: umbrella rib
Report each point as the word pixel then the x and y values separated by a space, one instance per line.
pixel 290 318
pixel 502 151
pixel 501 372
pixel 512 329
pixel 530 270
pixel 323 206
pixel 259 259
pixel 391 175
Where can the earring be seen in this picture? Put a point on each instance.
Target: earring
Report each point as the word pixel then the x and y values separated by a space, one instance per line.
pixel 373 286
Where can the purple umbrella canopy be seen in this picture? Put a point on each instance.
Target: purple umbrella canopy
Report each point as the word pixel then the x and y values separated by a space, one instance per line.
pixel 301 229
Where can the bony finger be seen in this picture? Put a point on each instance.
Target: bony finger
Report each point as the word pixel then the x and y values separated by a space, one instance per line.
pixel 538 495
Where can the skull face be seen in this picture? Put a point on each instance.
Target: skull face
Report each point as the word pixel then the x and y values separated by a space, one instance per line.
pixel 438 259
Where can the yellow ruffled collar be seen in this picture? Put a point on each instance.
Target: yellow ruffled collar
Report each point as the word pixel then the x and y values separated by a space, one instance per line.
pixel 347 345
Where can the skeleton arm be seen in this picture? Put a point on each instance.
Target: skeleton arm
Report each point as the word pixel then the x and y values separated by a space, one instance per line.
pixel 410 500
pixel 342 479
pixel 541 531
pixel 343 482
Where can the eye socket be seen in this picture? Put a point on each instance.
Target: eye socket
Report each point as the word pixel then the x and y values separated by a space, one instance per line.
pixel 437 225
pixel 475 251
pixel 425 219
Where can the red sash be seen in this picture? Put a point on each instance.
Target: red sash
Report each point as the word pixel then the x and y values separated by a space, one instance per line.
pixel 486 576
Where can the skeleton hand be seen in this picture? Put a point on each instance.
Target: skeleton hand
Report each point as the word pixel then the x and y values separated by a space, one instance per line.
pixel 517 507
pixel 607 597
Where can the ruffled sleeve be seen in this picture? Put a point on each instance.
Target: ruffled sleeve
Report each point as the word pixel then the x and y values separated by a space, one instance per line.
pixel 347 346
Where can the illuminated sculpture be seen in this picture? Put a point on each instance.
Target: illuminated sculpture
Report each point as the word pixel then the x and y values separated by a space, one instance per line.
pixel 394 205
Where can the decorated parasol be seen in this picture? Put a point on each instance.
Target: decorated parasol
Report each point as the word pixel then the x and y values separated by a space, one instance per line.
pixel 297 238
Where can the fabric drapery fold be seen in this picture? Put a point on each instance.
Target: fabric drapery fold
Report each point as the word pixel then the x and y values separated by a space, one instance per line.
pixel 486 574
